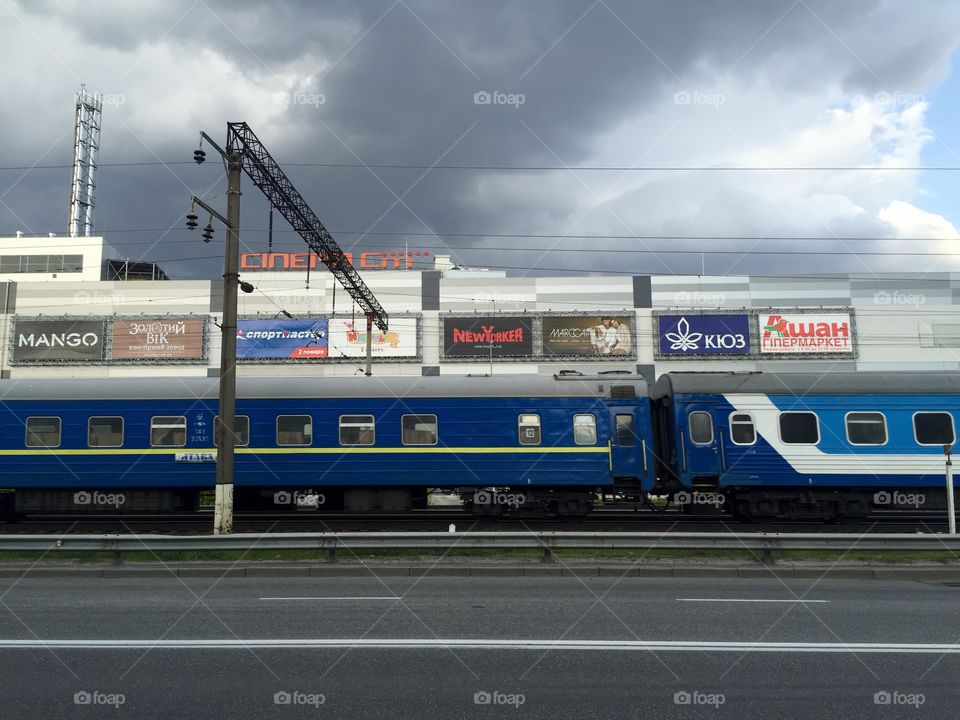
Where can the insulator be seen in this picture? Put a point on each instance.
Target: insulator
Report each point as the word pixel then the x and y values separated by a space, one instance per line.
pixel 246 287
pixel 199 155
pixel 208 232
pixel 191 220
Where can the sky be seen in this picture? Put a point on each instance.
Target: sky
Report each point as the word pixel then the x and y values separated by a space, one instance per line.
pixel 535 136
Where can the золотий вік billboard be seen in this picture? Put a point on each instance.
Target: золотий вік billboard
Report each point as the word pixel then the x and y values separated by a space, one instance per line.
pixel 159 339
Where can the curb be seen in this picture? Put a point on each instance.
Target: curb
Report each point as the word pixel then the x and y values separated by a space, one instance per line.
pixel 920 574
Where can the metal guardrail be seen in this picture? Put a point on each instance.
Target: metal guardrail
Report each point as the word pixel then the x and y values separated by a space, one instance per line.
pixel 761 544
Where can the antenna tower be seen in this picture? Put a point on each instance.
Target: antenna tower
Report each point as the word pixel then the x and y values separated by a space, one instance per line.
pixel 89 109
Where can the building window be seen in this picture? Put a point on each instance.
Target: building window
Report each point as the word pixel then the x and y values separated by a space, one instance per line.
pixel 43 432
pixel 934 428
pixel 357 430
pixel 105 432
pixel 419 429
pixel 799 428
pixel 294 430
pixel 742 431
pixel 701 427
pixel 529 428
pixel 168 431
pixel 584 429
pixel 41 263
pixel 625 431
pixel 866 428
pixel 241 435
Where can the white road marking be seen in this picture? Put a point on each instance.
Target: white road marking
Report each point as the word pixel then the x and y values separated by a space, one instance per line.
pixel 356 597
pixel 748 600
pixel 701 646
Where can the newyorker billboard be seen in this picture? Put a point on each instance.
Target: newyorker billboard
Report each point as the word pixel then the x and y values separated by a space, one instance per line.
pixel 160 339
pixel 348 338
pixel 501 336
pixel 599 336
pixel 291 339
pixel 699 335
pixel 40 341
pixel 806 333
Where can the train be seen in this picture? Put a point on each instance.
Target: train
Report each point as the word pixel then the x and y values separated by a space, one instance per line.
pixel 758 445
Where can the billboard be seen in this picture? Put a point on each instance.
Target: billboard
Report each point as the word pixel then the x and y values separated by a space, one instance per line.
pixel 348 338
pixel 57 341
pixel 282 338
pixel 806 333
pixel 699 335
pixel 598 336
pixel 500 336
pixel 161 339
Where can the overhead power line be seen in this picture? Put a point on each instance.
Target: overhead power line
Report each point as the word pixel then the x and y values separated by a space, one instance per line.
pixel 537 168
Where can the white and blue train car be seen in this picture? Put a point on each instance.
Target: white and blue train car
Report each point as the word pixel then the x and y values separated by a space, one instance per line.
pixel 360 443
pixel 806 445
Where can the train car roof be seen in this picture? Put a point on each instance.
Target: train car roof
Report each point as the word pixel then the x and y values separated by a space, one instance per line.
pixel 807 383
pixel 596 386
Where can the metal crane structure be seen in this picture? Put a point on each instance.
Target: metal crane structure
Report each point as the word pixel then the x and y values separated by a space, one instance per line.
pixel 244 152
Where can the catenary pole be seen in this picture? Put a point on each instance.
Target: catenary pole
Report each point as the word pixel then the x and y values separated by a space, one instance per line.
pixel 226 419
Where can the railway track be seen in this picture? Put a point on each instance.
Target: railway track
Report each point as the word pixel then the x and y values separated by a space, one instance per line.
pixel 606 519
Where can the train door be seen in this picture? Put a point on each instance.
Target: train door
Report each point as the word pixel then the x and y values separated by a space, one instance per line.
pixel 700 454
pixel 627 444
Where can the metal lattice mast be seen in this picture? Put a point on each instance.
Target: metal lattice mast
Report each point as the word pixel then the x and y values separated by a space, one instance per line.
pixel 266 174
pixel 89 109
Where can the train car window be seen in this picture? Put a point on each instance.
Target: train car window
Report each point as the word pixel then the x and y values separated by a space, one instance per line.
pixel 529 429
pixel 241 435
pixel 584 429
pixel 168 431
pixel 701 427
pixel 419 429
pixel 625 432
pixel 294 430
pixel 43 432
pixel 866 428
pixel 105 432
pixel 742 431
pixel 357 430
pixel 934 428
pixel 799 428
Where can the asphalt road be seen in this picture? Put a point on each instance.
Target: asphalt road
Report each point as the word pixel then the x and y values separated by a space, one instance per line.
pixel 445 648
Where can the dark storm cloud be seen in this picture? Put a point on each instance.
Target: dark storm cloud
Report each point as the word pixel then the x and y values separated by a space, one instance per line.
pixel 397 82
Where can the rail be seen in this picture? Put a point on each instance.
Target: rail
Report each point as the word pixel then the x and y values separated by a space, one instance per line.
pixel 761 544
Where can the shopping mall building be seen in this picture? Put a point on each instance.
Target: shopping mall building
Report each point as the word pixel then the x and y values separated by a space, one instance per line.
pixel 71 309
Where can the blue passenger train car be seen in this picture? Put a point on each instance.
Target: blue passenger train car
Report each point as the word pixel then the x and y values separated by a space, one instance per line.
pixel 360 443
pixel 806 445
